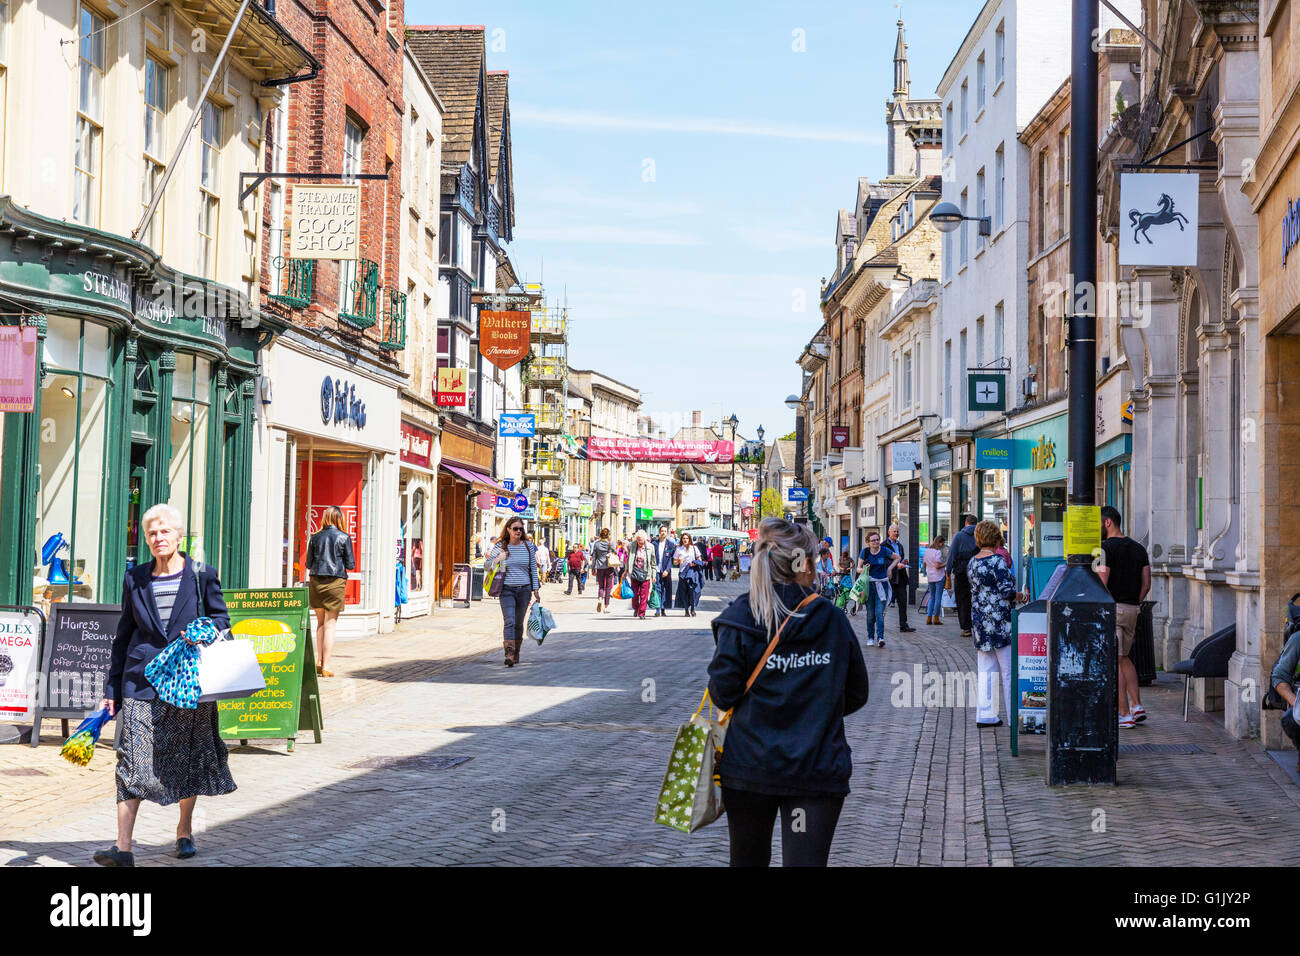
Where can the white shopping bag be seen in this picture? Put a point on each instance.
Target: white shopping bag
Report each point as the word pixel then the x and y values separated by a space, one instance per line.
pixel 949 600
pixel 229 669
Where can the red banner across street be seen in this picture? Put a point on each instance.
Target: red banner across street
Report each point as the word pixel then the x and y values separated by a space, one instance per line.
pixel 601 448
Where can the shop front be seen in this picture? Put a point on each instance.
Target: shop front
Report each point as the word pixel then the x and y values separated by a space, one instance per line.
pixel 339 450
pixel 940 486
pixel 143 393
pixel 864 502
pixel 1114 442
pixel 1037 480
pixel 467 503
pixel 417 491
pixel 908 501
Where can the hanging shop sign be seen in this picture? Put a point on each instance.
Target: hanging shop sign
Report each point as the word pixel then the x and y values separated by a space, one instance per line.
pixel 645 514
pixel 1161 211
pixel 584 508
pixel 986 392
pixel 627 506
pixel 548 509
pixel 452 387
pixel 503 337
pixel 276 622
pixel 503 501
pixel 326 221
pixel 519 504
pixel 839 436
pixel 517 425
pixel 997 454
pixel 905 455
pixel 416 443
pixel 17 368
pixel 796 494
pixel 507 300
pixel 1126 416
pixel 600 448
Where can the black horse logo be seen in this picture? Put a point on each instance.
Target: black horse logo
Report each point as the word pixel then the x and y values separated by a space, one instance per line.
pixel 1166 214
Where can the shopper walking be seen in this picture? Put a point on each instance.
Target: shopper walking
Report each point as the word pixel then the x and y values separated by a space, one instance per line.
pixel 900 580
pixel 879 562
pixel 689 563
pixel 665 547
pixel 1126 572
pixel 577 562
pixel 707 558
pixel 520 584
pixel 641 572
pixel 934 578
pixel 329 559
pixel 785 751
pixel 959 555
pixel 992 591
pixel 543 557
pixel 601 554
pixel 167 754
pixel 716 553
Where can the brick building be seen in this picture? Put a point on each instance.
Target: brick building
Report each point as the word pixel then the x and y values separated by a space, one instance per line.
pixel 331 409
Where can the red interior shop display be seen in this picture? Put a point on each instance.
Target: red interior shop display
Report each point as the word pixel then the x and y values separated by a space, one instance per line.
pixel 332 483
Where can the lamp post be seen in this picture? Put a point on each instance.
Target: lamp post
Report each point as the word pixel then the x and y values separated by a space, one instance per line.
pixel 733 421
pixel 762 475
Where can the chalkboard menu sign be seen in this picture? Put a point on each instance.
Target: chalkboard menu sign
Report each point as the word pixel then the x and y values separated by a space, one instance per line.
pixel 78 651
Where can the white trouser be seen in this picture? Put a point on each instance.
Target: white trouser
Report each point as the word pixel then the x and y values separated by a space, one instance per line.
pixel 990 662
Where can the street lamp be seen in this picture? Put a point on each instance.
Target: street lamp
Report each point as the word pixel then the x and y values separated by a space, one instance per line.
pixel 947 218
pixel 733 421
pixel 762 469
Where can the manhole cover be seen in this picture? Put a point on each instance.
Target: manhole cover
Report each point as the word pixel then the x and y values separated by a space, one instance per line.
pixel 1160 749
pixel 409 763
pixel 25 772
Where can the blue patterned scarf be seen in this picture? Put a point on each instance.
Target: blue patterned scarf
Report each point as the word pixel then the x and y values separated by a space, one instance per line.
pixel 174 671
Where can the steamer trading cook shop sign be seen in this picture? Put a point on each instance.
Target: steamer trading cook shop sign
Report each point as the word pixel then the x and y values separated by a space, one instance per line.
pixel 326 221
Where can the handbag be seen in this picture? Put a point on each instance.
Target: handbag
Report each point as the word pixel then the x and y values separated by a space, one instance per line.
pixel 228 667
pixel 656 598
pixel 690 796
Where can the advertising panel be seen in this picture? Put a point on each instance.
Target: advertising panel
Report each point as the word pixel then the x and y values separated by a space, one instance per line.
pixel 601 448
pixel 503 337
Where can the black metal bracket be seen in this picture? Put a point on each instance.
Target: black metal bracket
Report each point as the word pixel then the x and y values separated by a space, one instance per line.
pixel 259 178
pixel 1152 164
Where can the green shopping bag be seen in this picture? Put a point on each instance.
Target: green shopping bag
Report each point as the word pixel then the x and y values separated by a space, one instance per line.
pixel 691 795
pixel 656 601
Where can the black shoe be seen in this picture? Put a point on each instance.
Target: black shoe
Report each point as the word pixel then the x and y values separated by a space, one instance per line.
pixel 906 629
pixel 114 857
pixel 982 726
pixel 185 848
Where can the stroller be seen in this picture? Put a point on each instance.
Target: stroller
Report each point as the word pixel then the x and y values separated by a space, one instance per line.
pixel 838 590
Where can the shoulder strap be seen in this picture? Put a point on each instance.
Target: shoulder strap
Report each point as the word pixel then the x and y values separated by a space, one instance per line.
pixel 772 644
pixel 198 587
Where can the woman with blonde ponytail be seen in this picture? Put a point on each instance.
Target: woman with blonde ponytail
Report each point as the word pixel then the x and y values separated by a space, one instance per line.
pixel 790 668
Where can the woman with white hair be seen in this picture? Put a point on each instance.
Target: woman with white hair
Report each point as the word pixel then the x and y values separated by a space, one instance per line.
pixel 789 667
pixel 167 754
pixel 641 572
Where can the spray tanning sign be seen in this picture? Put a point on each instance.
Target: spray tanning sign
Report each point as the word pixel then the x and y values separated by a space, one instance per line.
pixel 1158 219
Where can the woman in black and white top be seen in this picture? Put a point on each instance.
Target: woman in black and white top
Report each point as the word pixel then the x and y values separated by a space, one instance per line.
pixel 518 560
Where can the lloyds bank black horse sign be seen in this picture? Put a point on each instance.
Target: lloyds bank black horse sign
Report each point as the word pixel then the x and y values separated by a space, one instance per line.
pixel 1162 210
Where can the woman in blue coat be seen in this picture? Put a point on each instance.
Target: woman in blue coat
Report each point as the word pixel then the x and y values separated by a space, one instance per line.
pixel 167 754
pixel 689 564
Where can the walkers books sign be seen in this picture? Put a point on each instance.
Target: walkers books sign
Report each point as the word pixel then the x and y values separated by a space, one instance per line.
pixel 503 337
pixel 1159 213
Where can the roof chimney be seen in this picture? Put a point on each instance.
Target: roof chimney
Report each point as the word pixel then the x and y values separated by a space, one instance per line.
pixel 695 418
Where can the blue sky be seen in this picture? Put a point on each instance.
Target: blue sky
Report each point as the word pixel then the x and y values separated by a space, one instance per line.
pixel 678 169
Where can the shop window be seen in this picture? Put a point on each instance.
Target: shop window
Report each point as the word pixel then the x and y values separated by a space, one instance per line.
pixel 209 189
pixel 155 112
pixel 353 146
pixel 188 473
pixel 73 437
pixel 90 120
pixel 416 533
pixel 446 231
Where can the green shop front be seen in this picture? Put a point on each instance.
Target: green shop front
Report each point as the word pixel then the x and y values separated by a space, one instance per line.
pixel 145 384
pixel 1037 457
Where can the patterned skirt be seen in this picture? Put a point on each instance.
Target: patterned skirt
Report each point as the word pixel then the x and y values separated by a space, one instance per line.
pixel 169 754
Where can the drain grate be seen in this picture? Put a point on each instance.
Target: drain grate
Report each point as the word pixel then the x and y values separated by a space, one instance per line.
pixel 25 772
pixel 1161 749
pixel 417 764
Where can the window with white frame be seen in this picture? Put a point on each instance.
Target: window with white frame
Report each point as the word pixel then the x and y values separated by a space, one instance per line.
pixel 980 209
pixel 1000 53
pixel 155 114
pixel 90 119
pixel 979 342
pixel 947 379
pixel 1000 171
pixel 947 131
pixel 209 188
pixel 353 147
pixel 1063 184
pixel 961 371
pixel 999 330
pixel 979 83
pixel 907 379
pixel 278 162
pixel 965 105
pixel 962 241
pixel 947 256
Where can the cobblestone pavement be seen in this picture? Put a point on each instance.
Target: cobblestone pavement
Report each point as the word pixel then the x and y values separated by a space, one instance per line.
pixel 558 762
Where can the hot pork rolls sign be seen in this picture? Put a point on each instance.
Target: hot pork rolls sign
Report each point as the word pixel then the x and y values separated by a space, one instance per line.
pixel 647 449
pixel 503 337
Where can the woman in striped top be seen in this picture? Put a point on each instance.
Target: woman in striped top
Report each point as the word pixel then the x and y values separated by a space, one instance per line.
pixel 518 558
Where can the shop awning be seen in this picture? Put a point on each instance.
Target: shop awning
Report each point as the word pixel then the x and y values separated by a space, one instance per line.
pixel 474 478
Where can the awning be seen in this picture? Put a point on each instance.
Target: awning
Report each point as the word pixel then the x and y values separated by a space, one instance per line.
pixel 474 478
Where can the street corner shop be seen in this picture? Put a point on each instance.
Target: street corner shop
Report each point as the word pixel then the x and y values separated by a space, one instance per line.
pixel 145 393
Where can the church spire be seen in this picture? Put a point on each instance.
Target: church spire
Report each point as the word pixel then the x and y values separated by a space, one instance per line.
pixel 902 76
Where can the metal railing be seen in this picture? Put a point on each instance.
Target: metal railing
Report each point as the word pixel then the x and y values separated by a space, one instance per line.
pixel 394 321
pixel 296 279
pixel 543 462
pixel 360 300
pixel 547 369
pixel 550 416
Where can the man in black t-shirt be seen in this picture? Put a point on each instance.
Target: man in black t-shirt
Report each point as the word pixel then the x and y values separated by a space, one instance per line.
pixel 1126 572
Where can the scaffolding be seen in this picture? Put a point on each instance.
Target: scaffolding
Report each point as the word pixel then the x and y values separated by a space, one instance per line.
pixel 545 384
